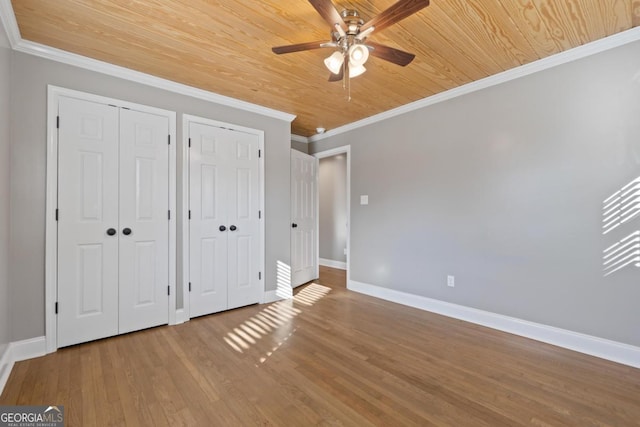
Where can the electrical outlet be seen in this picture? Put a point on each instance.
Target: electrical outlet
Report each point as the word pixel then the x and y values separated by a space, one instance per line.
pixel 451 281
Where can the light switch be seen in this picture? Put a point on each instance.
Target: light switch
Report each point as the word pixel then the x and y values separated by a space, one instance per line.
pixel 364 200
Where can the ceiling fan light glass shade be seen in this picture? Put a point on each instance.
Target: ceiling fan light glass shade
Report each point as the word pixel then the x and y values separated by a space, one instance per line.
pixel 334 62
pixel 356 71
pixel 358 55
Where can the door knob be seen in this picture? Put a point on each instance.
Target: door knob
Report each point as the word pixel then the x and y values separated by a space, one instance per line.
pixel 294 225
pixel 233 228
pixel 111 231
pixel 222 228
pixel 126 231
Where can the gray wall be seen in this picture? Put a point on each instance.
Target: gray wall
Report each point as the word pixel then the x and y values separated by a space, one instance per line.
pixel 332 190
pixel 29 83
pixel 300 146
pixel 5 70
pixel 504 188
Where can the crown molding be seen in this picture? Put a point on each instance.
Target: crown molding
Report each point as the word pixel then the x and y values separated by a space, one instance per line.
pixel 8 21
pixel 299 138
pixel 42 51
pixel 73 59
pixel 561 58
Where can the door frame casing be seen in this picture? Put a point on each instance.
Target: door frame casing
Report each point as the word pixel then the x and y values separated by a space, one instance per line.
pixel 345 149
pixel 51 202
pixel 184 314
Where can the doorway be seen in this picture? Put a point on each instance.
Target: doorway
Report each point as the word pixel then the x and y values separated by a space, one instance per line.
pixel 334 196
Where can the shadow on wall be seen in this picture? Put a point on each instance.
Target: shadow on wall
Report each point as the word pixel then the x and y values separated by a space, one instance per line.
pixel 618 210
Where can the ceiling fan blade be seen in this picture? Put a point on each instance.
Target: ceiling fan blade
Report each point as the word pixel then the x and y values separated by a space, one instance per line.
pixel 337 77
pixel 395 13
pixel 327 10
pixel 299 47
pixel 390 54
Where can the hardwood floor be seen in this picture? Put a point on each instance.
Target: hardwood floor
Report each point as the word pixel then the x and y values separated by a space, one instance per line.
pixel 329 357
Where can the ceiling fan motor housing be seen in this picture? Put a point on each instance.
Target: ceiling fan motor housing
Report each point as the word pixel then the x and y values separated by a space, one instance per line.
pixel 353 21
pixel 352 18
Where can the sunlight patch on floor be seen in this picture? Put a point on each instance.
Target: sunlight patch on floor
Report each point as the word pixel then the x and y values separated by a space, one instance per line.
pixel 275 320
pixel 311 294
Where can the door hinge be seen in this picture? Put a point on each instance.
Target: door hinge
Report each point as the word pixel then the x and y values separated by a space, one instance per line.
pixel 169 139
pixel 189 286
pixel 56 308
pixel 57 122
pixel 169 290
pixel 189 213
pixel 260 275
pixel 189 142
pixel 259 214
pixel 56 214
pixel 259 153
pixel 169 214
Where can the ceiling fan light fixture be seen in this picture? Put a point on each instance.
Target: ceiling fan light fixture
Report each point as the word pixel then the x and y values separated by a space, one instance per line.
pixel 358 55
pixel 356 71
pixel 334 62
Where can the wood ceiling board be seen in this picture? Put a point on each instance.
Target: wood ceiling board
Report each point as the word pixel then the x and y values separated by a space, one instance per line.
pixel 465 45
pixel 531 25
pixel 635 13
pixel 225 46
pixel 485 26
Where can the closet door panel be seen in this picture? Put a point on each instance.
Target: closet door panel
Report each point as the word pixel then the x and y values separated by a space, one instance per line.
pixel 144 222
pixel 88 210
pixel 208 227
pixel 244 204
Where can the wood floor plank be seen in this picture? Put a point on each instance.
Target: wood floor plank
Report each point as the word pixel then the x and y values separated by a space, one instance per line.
pixel 327 357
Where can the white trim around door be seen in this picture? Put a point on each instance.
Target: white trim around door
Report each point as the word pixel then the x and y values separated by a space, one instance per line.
pixel 346 150
pixel 51 234
pixel 184 314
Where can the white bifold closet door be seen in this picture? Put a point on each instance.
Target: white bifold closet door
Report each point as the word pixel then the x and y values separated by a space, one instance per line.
pixel 224 225
pixel 113 229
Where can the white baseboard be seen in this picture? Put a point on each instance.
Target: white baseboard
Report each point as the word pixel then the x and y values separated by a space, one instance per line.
pixel 271 296
pixel 6 365
pixel 28 349
pixel 331 263
pixel 18 351
pixel 594 346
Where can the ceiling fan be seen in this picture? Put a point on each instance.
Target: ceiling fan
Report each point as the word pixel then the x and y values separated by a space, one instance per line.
pixel 349 35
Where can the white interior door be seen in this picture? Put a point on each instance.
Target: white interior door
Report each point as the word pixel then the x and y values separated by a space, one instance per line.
pixel 304 189
pixel 243 194
pixel 113 225
pixel 224 229
pixel 87 221
pixel 208 209
pixel 144 221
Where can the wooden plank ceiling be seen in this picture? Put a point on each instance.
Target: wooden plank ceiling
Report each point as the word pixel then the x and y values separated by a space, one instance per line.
pixel 225 46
